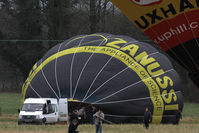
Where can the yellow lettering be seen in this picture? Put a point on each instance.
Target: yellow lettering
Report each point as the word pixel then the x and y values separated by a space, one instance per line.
pixel 171 107
pixel 152 67
pixel 167 97
pixel 132 48
pixel 164 83
pixel 118 41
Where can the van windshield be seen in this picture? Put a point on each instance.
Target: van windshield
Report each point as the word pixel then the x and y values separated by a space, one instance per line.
pixel 32 107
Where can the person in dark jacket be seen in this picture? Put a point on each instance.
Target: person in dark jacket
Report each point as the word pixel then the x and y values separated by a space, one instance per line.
pixel 178 116
pixel 73 116
pixel 147 118
pixel 73 127
pixel 94 110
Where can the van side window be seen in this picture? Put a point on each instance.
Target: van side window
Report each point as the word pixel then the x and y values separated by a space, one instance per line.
pixel 52 108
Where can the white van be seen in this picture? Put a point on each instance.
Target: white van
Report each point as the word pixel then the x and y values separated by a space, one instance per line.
pixel 43 110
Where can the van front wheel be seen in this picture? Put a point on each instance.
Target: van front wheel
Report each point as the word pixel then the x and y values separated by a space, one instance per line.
pixel 20 122
pixel 44 120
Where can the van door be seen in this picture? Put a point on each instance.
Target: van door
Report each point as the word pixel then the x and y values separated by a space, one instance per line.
pixel 51 115
pixel 63 109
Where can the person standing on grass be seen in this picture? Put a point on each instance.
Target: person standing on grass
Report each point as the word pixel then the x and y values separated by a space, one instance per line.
pixel 94 110
pixel 82 115
pixel 73 127
pixel 73 116
pixel 99 117
pixel 178 116
pixel 147 118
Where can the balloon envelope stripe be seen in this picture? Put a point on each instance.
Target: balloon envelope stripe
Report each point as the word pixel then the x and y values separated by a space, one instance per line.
pixel 115 76
pixel 48 83
pixel 132 100
pixel 56 70
pixel 86 65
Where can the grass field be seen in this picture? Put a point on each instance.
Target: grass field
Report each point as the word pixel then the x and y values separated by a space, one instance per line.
pixel 9 103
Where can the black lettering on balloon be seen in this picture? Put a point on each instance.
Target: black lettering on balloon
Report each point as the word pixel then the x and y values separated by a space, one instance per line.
pixel 170 10
pixel 142 26
pixel 197 2
pixel 184 4
pixel 154 16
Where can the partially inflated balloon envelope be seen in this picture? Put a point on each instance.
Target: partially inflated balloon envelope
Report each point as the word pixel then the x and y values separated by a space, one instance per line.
pixel 172 24
pixel 117 73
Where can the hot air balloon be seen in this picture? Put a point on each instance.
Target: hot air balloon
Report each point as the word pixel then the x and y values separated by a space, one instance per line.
pixel 172 25
pixel 117 73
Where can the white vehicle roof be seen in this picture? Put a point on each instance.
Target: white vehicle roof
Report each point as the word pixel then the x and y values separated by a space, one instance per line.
pixel 40 100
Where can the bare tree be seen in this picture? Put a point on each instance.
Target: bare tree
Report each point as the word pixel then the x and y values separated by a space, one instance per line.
pixel 93 17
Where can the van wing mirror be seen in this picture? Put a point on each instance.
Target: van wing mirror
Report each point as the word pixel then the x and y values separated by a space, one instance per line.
pixel 18 110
